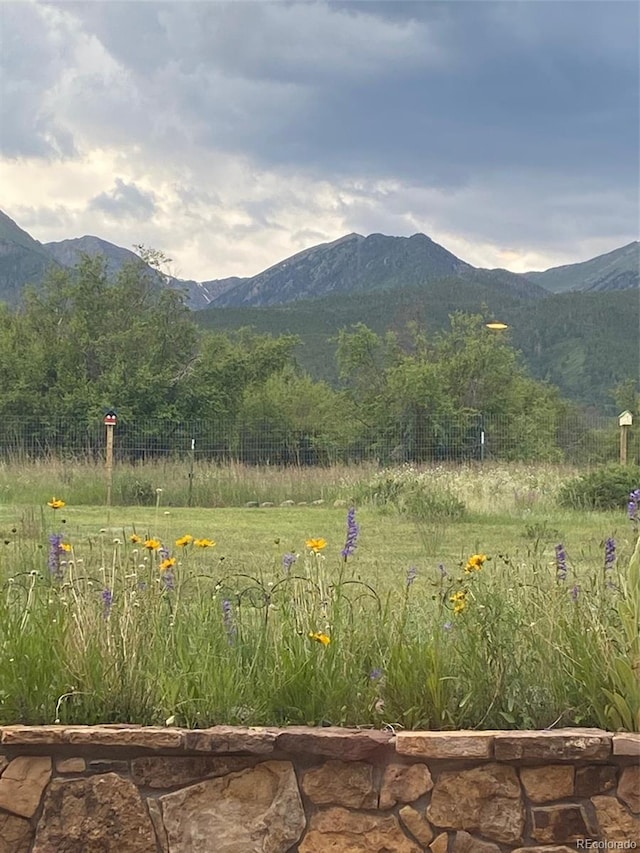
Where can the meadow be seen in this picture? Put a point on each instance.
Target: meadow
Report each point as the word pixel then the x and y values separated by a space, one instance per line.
pixel 444 597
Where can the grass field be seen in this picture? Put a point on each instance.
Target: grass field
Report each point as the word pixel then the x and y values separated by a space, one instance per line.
pixel 401 632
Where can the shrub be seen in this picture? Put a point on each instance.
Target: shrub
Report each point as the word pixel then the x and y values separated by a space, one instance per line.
pixel 414 493
pixel 604 488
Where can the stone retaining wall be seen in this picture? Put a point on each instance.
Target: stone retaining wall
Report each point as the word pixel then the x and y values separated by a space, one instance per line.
pixel 84 789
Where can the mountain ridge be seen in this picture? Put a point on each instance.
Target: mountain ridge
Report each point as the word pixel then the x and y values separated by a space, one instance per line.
pixel 615 270
pixel 353 263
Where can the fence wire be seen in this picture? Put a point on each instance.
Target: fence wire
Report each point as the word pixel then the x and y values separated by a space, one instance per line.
pixel 468 437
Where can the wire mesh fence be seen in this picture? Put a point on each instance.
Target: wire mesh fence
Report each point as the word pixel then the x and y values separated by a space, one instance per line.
pixel 577 439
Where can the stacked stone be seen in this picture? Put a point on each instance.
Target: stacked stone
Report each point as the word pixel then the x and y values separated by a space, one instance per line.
pixel 302 790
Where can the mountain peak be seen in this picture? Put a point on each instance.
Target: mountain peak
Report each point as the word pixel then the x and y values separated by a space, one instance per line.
pixel 351 263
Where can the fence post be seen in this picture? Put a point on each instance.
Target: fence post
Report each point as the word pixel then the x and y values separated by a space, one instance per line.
pixel 625 419
pixel 191 464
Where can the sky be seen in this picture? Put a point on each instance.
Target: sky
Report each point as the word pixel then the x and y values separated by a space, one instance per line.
pixel 230 135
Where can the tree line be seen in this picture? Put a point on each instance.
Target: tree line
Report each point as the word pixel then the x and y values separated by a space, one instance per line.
pixel 82 344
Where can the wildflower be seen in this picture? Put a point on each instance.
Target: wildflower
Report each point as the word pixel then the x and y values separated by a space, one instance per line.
pixel 107 601
pixel 575 593
pixel 288 560
pixel 411 575
pixel 353 529
pixel 163 552
pixel 134 538
pixel 475 563
pixel 316 545
pixel 561 563
pixel 448 625
pixel 152 544
pixel 65 546
pixel 459 601
pixel 609 553
pixel 229 623
pixel 634 505
pixel 167 563
pixel 55 552
pixel 204 543
pixel 319 637
pixel 185 540
pixel 168 580
pixel 376 674
pixel 56 503
pixel 442 570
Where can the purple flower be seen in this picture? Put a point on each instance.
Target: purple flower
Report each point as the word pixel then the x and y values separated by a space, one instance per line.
pixel 353 529
pixel 609 553
pixel 169 580
pixel 561 563
pixel 575 593
pixel 411 575
pixel 107 601
pixel 443 571
pixel 229 623
pixel 164 552
pixel 448 626
pixel 55 552
pixel 376 674
pixel 288 560
pixel 634 504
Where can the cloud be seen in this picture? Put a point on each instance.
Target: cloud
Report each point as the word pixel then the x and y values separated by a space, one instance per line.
pixel 125 201
pixel 231 134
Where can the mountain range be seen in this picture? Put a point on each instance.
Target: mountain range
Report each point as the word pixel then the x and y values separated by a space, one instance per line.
pixel 352 264
pixel 577 325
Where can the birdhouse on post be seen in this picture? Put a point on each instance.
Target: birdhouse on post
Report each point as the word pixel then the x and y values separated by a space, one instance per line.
pixel 625 421
pixel 110 420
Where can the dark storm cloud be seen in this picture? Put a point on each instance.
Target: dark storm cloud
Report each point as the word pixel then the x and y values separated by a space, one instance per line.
pixel 29 62
pixel 430 92
pixel 512 123
pixel 125 201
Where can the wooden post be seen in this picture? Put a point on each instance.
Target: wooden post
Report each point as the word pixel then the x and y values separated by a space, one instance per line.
pixel 110 421
pixel 625 420
pixel 193 454
pixel 624 444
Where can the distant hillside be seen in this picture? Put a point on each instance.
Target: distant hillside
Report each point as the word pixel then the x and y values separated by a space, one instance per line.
pixel 68 252
pixel 22 260
pixel 617 270
pixel 585 343
pixel 318 320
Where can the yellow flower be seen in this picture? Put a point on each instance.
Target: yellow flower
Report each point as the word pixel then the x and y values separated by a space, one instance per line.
pixel 56 503
pixel 316 545
pixel 64 546
pixel 187 539
pixel 135 538
pixel 169 563
pixel 204 543
pixel 459 601
pixel 152 544
pixel 319 637
pixel 475 563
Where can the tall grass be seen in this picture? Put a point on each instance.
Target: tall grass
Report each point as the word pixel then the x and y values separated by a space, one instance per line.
pixel 109 631
pixel 491 487
pixel 207 485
